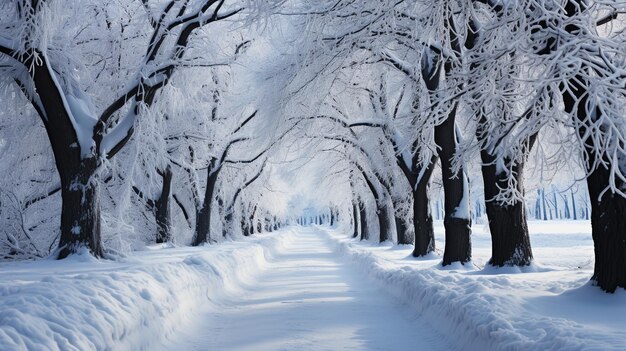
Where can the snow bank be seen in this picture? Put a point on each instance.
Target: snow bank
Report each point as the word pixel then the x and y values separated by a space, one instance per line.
pixel 133 304
pixel 545 308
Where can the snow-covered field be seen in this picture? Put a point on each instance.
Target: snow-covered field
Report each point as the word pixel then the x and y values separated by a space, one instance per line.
pixel 549 306
pixel 313 289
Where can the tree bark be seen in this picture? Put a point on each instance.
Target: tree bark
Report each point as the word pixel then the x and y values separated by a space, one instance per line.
pixel 456 220
pixel 510 242
pixel 384 224
pixel 245 230
pixel 608 208
pixel 162 211
pixel 227 225
pixel 80 207
pixel 457 226
pixel 423 232
pixel 203 214
pixel 405 236
pixel 365 232
pixel 422 222
pixel 355 220
pixel 608 212
pixel 80 210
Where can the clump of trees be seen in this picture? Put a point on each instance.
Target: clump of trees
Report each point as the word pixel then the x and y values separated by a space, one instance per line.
pixel 82 80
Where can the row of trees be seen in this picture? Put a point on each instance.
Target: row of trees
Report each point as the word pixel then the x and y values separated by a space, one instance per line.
pixel 414 88
pixel 128 106
pixel 140 107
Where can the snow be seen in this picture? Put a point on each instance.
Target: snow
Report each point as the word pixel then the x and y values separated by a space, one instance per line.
pixel 120 131
pixel 81 113
pixel 550 305
pixel 462 210
pixel 306 298
pixel 314 288
pixel 84 304
pixel 83 117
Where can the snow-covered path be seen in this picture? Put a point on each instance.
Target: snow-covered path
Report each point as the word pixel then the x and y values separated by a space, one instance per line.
pixel 308 299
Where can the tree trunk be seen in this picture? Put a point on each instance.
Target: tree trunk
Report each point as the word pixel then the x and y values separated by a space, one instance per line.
pixel 608 212
pixel 162 211
pixel 203 214
pixel 355 220
pixel 608 209
pixel 245 230
pixel 365 232
pixel 575 215
pixel 456 200
pixel 227 225
pixel 80 211
pixel 405 237
pixel 543 202
pixel 384 223
pixel 422 221
pixel 510 242
pixel 456 222
pixel 251 221
pixel 80 207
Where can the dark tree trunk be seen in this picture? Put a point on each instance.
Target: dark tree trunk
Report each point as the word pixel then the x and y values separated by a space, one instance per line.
pixel 457 225
pixel 405 236
pixel 365 232
pixel 384 224
pixel 80 207
pixel 608 209
pixel 507 223
pixel 510 242
pixel 245 230
pixel 422 222
pixel 227 225
pixel 422 217
pixel 355 220
pixel 203 214
pixel 80 211
pixel 251 221
pixel 162 211
pixel 574 214
pixel 382 210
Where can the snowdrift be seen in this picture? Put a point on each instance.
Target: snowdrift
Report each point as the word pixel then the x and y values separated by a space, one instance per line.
pixel 132 304
pixel 541 308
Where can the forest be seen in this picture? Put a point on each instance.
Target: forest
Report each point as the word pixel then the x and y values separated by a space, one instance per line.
pixel 129 125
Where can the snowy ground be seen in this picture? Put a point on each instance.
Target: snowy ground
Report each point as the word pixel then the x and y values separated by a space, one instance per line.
pixel 307 299
pixel 313 289
pixel 548 306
